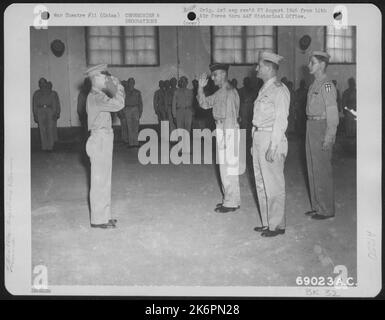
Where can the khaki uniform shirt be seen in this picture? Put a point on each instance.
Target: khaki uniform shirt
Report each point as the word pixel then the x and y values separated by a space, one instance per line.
pixel 99 106
pixel 46 99
pixel 322 102
pixel 271 109
pixel 183 99
pixel 159 100
pixel 225 105
pixel 134 99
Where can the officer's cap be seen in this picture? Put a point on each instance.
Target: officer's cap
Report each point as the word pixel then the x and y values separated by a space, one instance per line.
pixel 321 54
pixel 272 57
pixel 96 70
pixel 219 66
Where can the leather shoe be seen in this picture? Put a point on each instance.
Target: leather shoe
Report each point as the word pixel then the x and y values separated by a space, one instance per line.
pixel 112 221
pixel 219 205
pixel 223 209
pixel 272 233
pixel 318 216
pixel 261 229
pixel 108 225
pixel 310 213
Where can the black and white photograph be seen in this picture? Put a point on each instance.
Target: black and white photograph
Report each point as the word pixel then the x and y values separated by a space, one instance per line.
pixel 194 155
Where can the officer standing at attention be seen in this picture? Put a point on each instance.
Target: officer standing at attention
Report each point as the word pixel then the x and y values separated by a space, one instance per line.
pixel 170 90
pixel 100 143
pixel 133 111
pixel 56 111
pixel 182 108
pixel 271 110
pixel 225 105
pixel 322 122
pixel 159 102
pixel 45 113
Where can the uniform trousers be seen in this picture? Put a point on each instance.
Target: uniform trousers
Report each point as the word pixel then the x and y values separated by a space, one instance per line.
pixel 319 169
pixel 46 127
pixel 99 148
pixel 228 142
pixel 270 180
pixel 131 129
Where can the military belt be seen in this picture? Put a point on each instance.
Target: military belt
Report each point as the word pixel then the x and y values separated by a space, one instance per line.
pixel 269 129
pixel 315 118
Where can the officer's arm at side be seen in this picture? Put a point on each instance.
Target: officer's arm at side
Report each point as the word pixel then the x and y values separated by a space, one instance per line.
pixel 104 103
pixel 34 106
pixel 140 104
pixel 281 105
pixel 332 118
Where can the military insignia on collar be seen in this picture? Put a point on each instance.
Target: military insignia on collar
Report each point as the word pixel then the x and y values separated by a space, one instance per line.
pixel 328 87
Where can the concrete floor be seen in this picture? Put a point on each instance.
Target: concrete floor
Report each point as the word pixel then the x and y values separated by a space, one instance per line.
pixel 168 233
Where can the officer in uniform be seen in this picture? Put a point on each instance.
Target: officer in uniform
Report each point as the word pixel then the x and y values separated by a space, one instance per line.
pixel 133 111
pixel 45 112
pixel 170 90
pixel 56 111
pixel 269 150
pixel 322 122
pixel 159 102
pixel 182 108
pixel 100 143
pixel 225 105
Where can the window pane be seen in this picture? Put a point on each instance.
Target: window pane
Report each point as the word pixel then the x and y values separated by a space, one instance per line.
pixel 100 56
pixel 348 56
pixel 252 56
pixel 348 43
pixel 104 31
pixel 340 44
pixel 240 45
pixel 238 56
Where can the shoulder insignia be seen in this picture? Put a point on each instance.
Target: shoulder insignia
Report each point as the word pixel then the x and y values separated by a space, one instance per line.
pixel 328 87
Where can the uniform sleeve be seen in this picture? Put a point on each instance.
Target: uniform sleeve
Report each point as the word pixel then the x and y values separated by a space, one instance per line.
pixel 156 104
pixel 281 105
pixel 57 105
pixel 329 95
pixel 140 103
pixel 174 98
pixel 34 105
pixel 232 109
pixel 104 103
pixel 205 102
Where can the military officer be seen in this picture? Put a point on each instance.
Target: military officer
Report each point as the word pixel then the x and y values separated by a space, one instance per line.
pixel 225 105
pixel 100 143
pixel 133 111
pixel 56 113
pixel 159 102
pixel 45 112
pixel 269 150
pixel 321 127
pixel 171 88
pixel 182 108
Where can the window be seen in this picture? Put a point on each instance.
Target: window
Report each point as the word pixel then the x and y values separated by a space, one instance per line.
pixel 129 46
pixel 241 45
pixel 340 44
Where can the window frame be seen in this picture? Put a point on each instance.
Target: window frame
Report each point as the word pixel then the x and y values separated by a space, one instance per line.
pixel 354 37
pixel 275 41
pixel 123 50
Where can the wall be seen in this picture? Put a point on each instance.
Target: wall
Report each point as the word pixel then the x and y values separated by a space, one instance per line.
pixel 66 72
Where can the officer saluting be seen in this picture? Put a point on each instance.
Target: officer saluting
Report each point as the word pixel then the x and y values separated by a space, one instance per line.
pixel 271 109
pixel 322 122
pixel 225 105
pixel 100 143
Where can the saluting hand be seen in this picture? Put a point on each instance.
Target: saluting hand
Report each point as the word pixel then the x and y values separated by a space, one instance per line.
pixel 203 80
pixel 270 153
